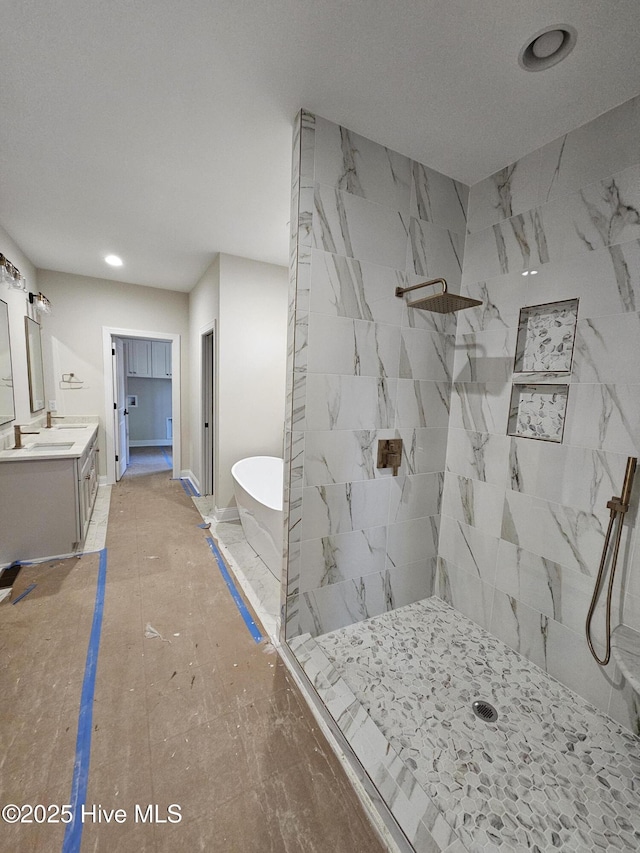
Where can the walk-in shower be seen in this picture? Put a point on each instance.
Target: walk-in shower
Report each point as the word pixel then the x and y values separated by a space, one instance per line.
pixel 467 577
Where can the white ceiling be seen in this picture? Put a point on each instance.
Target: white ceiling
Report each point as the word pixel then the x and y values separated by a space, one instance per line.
pixel 161 131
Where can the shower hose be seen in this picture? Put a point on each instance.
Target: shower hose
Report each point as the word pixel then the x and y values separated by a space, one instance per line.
pixel 617 506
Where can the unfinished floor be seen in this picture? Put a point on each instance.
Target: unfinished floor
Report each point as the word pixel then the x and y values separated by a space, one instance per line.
pixel 201 716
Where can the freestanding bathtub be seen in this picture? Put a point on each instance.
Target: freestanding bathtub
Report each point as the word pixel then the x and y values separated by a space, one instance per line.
pixel 258 490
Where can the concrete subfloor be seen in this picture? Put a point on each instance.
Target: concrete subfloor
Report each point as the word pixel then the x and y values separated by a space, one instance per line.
pixel 205 718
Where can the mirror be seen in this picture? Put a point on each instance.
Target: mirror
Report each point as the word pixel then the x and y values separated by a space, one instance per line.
pixel 7 405
pixel 34 364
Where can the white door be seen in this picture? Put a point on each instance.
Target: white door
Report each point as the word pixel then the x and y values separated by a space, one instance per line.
pixel 121 427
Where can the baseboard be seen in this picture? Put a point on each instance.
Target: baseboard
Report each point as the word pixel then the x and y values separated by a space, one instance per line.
pixel 151 442
pixel 226 513
pixel 188 474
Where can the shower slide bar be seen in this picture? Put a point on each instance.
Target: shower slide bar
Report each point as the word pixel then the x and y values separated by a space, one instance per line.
pixel 617 506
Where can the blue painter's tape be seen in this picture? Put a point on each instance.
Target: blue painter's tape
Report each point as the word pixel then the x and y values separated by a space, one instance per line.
pixel 26 592
pixel 166 458
pixel 189 488
pixel 242 607
pixel 184 485
pixel 73 830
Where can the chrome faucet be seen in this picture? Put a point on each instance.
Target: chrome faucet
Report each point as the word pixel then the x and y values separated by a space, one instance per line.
pixel 51 417
pixel 18 432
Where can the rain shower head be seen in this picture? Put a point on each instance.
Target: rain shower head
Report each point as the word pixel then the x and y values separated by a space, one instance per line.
pixel 442 302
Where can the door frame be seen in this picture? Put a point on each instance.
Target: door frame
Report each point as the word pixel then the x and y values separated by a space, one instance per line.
pixel 119 377
pixel 205 331
pixel 108 333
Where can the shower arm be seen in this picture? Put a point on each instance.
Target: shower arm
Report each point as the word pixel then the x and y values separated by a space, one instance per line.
pixel 617 507
pixel 401 290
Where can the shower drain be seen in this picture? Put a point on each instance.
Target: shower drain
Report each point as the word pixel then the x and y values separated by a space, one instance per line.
pixel 485 711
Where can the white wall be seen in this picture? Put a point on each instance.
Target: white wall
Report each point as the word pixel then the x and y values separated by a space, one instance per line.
pixel 148 419
pixel 18 308
pixel 72 337
pixel 248 301
pixel 252 350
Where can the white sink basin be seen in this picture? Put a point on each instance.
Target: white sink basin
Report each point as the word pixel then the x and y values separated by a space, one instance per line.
pixel 71 426
pixel 52 445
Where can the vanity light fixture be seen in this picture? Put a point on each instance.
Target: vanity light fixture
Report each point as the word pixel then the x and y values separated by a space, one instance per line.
pixel 11 275
pixel 113 260
pixel 42 304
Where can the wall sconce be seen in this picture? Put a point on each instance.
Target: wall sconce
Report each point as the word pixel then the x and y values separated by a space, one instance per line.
pixel 42 304
pixel 11 275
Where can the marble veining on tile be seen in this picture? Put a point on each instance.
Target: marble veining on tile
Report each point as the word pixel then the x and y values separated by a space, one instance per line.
pixel 551 773
pixel 439 199
pixel 361 167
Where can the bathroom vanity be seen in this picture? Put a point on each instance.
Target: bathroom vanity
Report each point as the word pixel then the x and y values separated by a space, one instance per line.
pixel 47 492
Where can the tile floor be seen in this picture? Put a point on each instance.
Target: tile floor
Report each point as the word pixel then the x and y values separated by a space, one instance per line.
pixel 204 718
pixel 552 773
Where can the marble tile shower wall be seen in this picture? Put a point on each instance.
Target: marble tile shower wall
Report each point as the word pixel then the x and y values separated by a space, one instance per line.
pixel 364 367
pixel 523 521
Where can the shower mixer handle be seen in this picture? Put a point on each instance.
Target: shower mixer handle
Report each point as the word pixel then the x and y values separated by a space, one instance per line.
pixel 390 454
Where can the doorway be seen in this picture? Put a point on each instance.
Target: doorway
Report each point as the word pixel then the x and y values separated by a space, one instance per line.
pixel 142 396
pixel 208 404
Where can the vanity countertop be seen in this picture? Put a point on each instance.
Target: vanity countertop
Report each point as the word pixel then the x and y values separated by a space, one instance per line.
pixel 63 441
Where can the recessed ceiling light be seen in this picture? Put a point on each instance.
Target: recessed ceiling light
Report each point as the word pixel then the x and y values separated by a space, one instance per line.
pixel 547 47
pixel 113 260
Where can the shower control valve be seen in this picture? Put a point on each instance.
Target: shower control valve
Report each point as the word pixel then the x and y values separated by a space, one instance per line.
pixel 390 454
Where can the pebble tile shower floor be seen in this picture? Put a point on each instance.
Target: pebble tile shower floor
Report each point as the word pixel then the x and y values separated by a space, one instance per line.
pixel 552 773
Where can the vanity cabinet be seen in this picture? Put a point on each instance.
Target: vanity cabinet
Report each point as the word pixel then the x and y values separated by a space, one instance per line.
pixel 151 359
pixel 87 485
pixel 46 503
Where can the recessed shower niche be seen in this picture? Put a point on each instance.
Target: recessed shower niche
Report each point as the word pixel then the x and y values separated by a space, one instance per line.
pixel 546 334
pixel 538 411
pixel 544 352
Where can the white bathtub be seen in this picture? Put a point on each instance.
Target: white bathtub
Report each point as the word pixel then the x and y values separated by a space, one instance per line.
pixel 258 489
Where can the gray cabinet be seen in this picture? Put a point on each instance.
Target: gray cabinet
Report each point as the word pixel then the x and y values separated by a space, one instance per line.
pixel 46 503
pixel 87 467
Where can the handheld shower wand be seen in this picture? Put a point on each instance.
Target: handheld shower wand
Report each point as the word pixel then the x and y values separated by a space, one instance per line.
pixel 618 507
